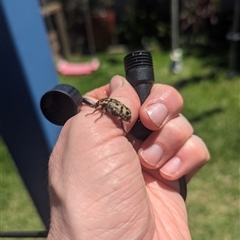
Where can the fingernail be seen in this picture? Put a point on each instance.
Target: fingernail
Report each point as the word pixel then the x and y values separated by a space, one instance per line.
pixel 116 83
pixel 157 113
pixel 152 155
pixel 171 167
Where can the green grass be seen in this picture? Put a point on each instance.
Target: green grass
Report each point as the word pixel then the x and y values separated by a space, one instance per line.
pixel 16 208
pixel 212 106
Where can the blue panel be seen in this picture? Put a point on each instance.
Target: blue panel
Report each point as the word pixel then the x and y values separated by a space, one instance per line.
pixel 27 72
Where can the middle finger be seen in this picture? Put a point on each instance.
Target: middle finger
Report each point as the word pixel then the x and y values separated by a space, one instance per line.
pixel 161 145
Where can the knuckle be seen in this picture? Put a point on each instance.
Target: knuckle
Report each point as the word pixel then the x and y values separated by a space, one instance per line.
pixel 198 147
pixel 172 93
pixel 180 128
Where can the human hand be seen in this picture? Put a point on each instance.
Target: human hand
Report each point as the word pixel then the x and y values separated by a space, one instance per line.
pixel 104 185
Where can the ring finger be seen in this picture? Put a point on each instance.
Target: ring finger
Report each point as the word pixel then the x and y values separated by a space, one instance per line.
pixel 161 145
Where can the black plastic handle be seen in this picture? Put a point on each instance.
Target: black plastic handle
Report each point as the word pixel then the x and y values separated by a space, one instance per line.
pixel 139 73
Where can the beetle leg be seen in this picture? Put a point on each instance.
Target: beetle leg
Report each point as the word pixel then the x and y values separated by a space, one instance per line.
pixel 102 110
pixel 123 127
pixel 100 115
pixel 92 112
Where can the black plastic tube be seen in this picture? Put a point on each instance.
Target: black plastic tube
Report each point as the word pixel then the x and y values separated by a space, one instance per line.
pixel 139 73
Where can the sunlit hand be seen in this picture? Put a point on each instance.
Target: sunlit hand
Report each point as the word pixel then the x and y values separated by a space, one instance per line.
pixel 105 185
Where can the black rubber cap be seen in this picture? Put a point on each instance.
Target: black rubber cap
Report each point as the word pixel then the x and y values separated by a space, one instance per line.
pixel 60 103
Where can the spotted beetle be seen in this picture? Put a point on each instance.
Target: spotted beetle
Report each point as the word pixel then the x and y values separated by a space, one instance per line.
pixel 113 107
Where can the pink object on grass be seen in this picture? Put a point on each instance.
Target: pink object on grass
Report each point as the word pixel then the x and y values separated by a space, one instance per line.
pixel 74 69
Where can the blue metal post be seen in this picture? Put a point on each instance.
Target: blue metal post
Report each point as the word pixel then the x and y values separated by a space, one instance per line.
pixel 27 72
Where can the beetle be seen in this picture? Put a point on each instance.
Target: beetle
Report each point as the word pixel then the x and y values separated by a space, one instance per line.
pixel 113 107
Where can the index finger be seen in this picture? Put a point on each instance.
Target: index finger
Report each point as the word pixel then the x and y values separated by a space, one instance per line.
pixel 98 93
pixel 115 98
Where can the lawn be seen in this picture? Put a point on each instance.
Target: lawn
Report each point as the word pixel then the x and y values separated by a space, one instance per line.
pixel 211 104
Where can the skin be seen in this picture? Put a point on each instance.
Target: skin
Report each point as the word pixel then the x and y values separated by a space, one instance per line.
pixel 104 185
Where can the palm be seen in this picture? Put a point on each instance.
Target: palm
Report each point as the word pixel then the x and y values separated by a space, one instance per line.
pixel 168 208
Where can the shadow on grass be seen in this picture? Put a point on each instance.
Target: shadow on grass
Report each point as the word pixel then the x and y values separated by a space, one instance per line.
pixel 195 79
pixel 205 114
pixel 216 56
pixel 114 61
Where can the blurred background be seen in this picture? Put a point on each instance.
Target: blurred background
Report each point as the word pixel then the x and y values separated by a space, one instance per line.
pixel 139 23
pixel 195 48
